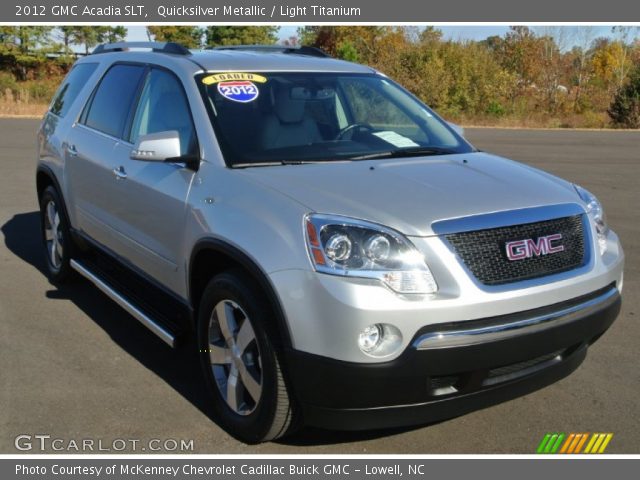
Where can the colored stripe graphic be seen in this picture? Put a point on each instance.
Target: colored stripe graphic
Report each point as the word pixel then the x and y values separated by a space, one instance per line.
pixel 543 443
pixel 567 442
pixel 573 443
pixel 556 445
pixel 605 443
pixel 581 442
pixel 578 437
pixel 598 443
pixel 550 443
pixel 591 442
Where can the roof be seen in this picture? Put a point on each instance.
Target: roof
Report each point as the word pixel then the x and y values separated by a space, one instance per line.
pixel 243 58
pixel 256 61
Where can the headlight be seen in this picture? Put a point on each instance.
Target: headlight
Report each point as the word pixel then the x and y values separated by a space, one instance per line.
pixel 355 248
pixel 596 213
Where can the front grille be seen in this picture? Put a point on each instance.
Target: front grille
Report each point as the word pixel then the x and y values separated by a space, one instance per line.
pixel 484 251
pixel 521 366
pixel 465 382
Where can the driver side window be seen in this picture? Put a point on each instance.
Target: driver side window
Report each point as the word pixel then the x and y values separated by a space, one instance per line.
pixel 163 106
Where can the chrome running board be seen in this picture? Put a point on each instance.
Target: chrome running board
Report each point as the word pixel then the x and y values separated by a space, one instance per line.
pixel 134 311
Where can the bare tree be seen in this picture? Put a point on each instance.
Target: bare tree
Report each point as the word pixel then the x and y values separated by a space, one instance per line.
pixel 583 38
pixel 623 35
pixel 555 41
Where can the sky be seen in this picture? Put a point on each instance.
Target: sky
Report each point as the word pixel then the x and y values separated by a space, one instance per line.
pixel 139 33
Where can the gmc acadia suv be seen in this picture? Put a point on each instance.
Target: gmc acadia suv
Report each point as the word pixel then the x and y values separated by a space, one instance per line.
pixel 344 257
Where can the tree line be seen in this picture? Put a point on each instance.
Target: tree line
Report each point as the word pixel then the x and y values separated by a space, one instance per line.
pixel 547 76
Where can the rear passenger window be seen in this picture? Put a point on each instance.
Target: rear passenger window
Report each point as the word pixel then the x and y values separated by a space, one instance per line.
pixel 70 88
pixel 163 106
pixel 112 101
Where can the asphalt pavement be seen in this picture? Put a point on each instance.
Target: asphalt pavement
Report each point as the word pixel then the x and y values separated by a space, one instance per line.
pixel 74 366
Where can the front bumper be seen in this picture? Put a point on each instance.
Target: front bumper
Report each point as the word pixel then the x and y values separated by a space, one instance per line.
pixel 455 371
pixel 326 313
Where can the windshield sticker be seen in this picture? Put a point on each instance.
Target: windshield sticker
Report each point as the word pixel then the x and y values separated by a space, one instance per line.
pixel 396 139
pixel 238 91
pixel 233 76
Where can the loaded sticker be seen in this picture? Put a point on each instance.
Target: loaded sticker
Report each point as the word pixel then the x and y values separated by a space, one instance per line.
pixel 233 76
pixel 236 86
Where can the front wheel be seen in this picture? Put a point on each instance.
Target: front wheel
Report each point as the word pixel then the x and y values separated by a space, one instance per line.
pixel 240 361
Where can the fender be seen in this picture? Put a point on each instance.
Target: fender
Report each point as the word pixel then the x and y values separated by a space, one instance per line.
pixel 220 246
pixel 52 176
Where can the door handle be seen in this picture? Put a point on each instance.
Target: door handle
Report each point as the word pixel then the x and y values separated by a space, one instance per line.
pixel 72 150
pixel 120 173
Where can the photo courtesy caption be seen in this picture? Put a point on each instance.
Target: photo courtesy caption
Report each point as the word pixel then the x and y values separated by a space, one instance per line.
pixel 261 470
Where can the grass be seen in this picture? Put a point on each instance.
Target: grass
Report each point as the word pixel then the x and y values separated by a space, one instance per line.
pixel 21 109
pixel 596 120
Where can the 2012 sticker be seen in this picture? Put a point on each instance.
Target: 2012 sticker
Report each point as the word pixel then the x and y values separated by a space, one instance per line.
pixel 242 91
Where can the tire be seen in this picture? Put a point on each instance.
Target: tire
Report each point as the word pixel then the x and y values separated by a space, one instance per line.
pixel 240 360
pixel 56 236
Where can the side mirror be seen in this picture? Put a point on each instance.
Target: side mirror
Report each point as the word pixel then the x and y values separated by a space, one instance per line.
pixel 457 128
pixel 157 147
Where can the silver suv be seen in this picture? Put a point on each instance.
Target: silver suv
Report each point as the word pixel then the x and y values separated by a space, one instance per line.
pixel 344 257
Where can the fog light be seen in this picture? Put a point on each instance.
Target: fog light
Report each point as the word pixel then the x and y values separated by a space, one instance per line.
pixel 380 340
pixel 370 338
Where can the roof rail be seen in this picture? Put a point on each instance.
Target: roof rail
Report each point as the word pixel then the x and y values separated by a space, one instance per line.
pixel 160 47
pixel 303 50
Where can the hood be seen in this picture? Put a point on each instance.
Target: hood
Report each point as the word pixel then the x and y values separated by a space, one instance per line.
pixel 410 194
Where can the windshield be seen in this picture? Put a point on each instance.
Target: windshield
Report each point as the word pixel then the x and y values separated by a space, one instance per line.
pixel 280 118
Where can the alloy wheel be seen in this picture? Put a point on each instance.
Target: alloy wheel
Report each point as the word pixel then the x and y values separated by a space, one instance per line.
pixel 235 357
pixel 53 235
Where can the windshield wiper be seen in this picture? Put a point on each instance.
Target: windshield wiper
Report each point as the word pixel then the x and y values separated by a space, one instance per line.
pixel 275 164
pixel 405 152
pixel 398 153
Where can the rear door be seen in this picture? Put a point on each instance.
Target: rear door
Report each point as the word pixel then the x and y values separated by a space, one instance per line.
pixel 93 154
pixel 52 133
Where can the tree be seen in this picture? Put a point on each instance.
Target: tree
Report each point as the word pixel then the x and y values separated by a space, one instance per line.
pixel 553 41
pixel 492 43
pixel 430 35
pixel 582 53
pixel 65 34
pixel 292 41
pixel 190 37
pixel 87 36
pixel 90 36
pixel 606 63
pixel 625 108
pixel 364 44
pixel 622 55
pixel 22 50
pixel 25 39
pixel 253 35
pixel 113 34
pixel 520 54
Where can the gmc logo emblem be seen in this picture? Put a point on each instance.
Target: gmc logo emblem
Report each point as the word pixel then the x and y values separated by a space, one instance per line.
pixel 521 249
